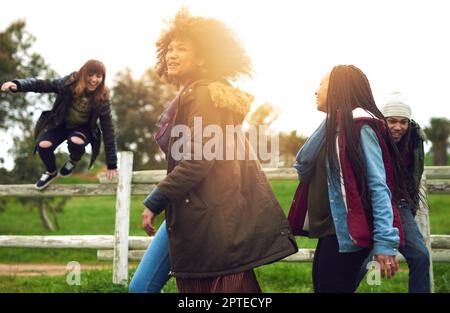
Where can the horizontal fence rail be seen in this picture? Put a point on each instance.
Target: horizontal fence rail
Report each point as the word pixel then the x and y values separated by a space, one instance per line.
pixel 141 189
pixel 77 241
pixel 62 190
pixel 303 255
pixel 134 242
pixel 437 172
pixel 137 245
pixel 143 183
pixel 282 173
pixel 437 182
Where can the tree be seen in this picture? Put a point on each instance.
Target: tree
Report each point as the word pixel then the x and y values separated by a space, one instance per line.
pixel 265 114
pixel 16 116
pixel 290 143
pixel 438 134
pixel 137 105
pixel 260 120
pixel 17 60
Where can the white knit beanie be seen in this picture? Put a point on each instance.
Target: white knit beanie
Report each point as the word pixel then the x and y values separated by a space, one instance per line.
pixel 396 106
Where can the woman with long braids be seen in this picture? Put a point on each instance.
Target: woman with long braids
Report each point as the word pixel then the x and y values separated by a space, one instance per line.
pixel 351 176
pixel 222 218
pixel 82 100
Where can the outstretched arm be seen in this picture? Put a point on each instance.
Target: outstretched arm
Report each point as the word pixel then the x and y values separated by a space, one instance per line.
pixel 35 85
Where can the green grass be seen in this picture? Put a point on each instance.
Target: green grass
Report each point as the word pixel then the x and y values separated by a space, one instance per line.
pixel 429 159
pixel 439 206
pixel 81 216
pixel 95 215
pixel 281 277
pixel 91 281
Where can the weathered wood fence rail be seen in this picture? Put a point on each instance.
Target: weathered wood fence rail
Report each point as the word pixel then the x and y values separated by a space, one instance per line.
pixel 138 244
pixel 121 247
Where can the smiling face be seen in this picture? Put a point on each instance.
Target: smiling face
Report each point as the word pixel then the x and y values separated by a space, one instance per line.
pixel 398 126
pixel 181 60
pixel 321 94
pixel 92 81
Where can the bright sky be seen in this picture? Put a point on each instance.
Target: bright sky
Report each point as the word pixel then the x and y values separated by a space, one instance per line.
pixel 400 45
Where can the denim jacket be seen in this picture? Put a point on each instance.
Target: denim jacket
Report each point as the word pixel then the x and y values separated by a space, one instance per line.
pixel 385 237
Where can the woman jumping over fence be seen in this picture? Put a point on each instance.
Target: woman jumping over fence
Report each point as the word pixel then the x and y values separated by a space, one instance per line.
pixel 82 99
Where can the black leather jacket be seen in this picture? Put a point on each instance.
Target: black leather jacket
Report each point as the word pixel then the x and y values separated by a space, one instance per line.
pixel 55 117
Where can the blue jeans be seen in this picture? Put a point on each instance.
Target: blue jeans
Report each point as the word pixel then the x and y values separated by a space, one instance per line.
pixel 415 252
pixel 153 270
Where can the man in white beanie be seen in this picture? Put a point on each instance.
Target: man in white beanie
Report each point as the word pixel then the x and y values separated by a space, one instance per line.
pixel 398 116
pixel 409 138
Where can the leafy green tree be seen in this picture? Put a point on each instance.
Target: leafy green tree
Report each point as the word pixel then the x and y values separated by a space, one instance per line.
pixel 290 143
pixel 438 134
pixel 264 115
pixel 17 60
pixel 17 116
pixel 137 104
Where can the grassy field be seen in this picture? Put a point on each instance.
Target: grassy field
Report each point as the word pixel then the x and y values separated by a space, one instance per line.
pixel 95 215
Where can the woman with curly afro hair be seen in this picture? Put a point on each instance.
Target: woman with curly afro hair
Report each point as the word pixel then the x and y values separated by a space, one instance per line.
pixel 222 218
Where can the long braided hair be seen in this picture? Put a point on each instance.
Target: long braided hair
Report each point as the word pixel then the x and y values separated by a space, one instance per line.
pixel 348 89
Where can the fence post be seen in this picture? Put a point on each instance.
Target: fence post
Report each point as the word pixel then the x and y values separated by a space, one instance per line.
pixel 423 221
pixel 123 198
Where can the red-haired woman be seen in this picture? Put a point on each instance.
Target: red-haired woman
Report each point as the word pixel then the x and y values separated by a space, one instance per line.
pixel 82 99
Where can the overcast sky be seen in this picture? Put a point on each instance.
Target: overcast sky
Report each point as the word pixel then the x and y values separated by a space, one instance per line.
pixel 400 45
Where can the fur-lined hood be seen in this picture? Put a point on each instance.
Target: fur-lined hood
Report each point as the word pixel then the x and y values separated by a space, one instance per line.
pixel 225 96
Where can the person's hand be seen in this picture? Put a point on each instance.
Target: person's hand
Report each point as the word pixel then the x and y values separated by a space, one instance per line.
pixel 147 221
pixel 111 174
pixel 9 86
pixel 388 265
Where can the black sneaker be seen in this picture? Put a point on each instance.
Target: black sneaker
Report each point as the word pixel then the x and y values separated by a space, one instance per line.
pixel 67 168
pixel 45 180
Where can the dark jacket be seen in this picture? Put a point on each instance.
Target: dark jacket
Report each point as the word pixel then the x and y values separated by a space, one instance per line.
pixel 222 216
pixel 417 138
pixel 55 117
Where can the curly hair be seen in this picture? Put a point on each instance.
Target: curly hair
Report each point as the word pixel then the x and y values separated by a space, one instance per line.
pixel 214 41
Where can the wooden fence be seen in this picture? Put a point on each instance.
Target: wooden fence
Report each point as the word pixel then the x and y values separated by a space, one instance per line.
pixel 121 247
